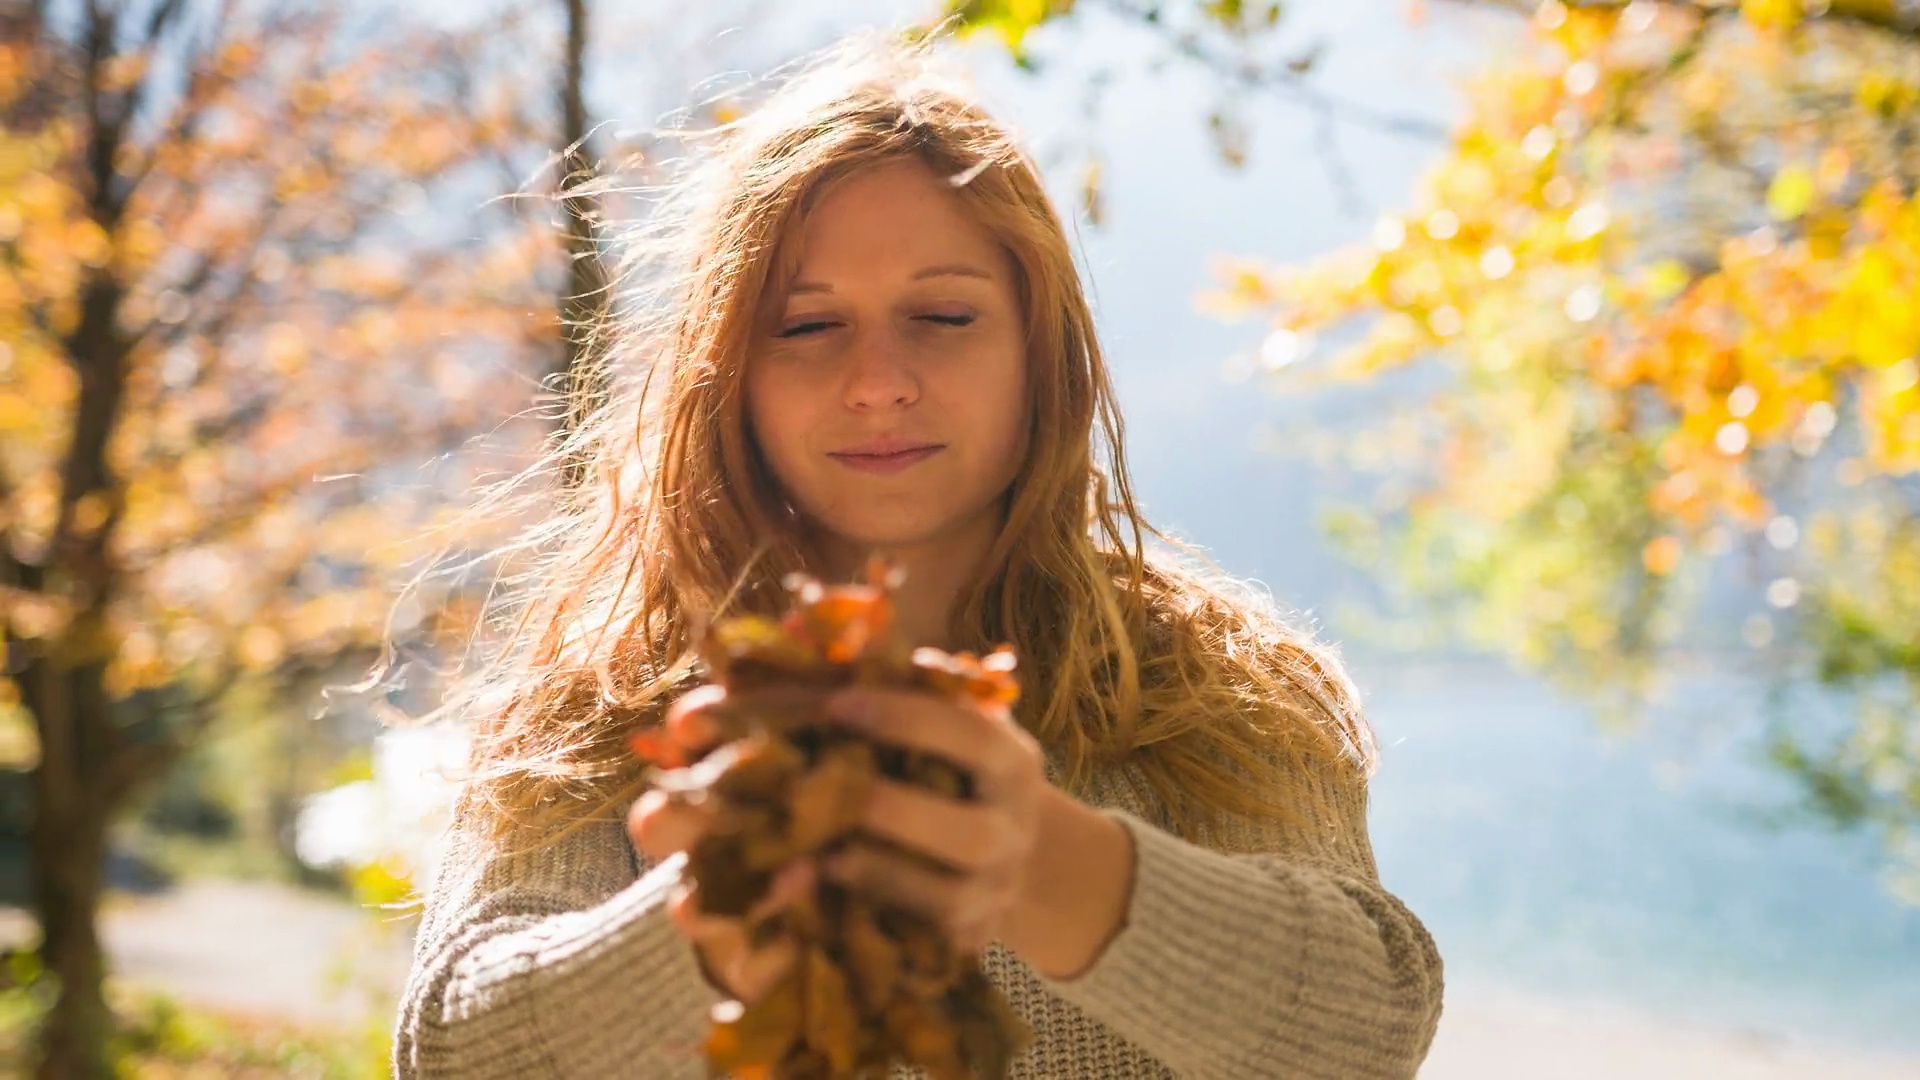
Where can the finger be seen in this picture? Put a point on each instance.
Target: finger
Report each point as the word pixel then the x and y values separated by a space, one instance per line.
pixel 683 911
pixel 691 718
pixel 992 747
pixel 756 971
pixel 746 970
pixel 901 880
pixel 774 704
pixel 967 836
pixel 660 826
pixel 790 884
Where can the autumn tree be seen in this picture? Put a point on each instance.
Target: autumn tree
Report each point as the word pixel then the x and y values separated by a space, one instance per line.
pixel 1661 277
pixel 250 286
pixel 1666 268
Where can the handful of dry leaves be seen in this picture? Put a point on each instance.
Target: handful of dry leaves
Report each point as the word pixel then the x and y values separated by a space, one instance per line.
pixel 873 984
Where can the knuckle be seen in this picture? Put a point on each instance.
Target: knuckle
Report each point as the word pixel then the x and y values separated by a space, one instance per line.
pixel 1026 758
pixel 678 907
pixel 641 814
pixel 702 697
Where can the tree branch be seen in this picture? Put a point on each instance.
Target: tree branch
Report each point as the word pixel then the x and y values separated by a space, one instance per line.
pixel 1283 80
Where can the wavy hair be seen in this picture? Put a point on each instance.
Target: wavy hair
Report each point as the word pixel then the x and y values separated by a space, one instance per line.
pixel 1133 659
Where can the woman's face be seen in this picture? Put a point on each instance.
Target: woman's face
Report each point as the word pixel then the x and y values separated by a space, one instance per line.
pixel 888 389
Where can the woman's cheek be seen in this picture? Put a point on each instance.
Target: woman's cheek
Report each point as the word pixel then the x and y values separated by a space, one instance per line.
pixel 776 425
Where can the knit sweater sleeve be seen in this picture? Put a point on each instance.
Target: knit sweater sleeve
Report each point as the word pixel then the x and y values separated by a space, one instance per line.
pixel 551 962
pixel 1272 952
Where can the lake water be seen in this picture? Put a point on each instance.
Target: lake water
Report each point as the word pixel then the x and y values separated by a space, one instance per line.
pixel 1543 854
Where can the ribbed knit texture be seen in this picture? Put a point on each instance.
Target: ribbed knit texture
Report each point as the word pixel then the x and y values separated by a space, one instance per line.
pixel 1265 953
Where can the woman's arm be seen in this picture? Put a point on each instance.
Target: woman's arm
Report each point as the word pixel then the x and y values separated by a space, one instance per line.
pixel 1279 956
pixel 555 963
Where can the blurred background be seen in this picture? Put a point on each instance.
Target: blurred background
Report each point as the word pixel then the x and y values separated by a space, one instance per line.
pixel 1558 361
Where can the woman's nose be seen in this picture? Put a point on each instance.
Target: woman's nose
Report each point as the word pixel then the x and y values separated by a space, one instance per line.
pixel 878 375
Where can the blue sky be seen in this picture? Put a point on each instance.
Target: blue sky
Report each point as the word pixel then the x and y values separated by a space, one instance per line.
pixel 1171 210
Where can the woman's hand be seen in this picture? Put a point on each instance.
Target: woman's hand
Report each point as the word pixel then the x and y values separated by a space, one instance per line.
pixel 659 828
pixel 983 847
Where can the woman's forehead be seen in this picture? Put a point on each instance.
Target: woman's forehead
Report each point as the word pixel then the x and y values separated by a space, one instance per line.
pixel 897 219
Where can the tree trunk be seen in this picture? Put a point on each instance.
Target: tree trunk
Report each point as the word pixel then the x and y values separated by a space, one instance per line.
pixel 87 767
pixel 71 813
pixel 584 294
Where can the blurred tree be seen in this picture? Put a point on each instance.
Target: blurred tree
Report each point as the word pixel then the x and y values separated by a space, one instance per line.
pixel 240 305
pixel 586 292
pixel 1653 306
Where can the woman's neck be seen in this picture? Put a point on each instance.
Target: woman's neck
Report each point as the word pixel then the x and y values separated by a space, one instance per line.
pixel 935 572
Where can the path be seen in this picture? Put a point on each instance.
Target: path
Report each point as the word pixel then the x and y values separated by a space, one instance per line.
pixel 268 949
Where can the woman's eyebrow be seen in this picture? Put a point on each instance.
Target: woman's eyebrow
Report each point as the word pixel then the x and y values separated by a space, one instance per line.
pixel 953 270
pixel 944 270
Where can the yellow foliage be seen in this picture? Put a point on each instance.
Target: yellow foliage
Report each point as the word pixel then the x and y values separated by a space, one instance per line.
pixel 1791 192
pixel 220 433
pixel 1651 338
pixel 1772 14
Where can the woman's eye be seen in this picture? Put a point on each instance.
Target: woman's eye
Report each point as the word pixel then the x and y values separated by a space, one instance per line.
pixel 804 328
pixel 949 320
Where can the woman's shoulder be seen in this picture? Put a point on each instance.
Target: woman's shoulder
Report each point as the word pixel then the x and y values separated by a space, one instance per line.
pixel 1236 626
pixel 1242 706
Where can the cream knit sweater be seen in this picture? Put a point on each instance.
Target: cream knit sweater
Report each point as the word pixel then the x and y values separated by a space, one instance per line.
pixel 1269 954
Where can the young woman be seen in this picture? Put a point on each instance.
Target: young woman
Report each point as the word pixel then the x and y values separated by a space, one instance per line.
pixel 871 336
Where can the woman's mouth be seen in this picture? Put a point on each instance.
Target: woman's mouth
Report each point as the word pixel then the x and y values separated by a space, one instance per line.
pixel 883 459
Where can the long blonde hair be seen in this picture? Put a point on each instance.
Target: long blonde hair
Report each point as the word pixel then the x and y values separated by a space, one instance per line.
pixel 1144 662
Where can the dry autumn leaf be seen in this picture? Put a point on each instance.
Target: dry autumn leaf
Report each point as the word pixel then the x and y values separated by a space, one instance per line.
pixel 875 985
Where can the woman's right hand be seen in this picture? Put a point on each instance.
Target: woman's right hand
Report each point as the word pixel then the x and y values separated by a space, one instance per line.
pixel 660 828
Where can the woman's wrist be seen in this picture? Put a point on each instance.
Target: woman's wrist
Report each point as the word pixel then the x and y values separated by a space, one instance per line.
pixel 1079 886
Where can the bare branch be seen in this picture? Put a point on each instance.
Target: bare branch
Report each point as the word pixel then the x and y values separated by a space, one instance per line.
pixel 1281 80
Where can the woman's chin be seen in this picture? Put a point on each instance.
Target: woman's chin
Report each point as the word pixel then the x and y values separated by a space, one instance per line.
pixel 863 536
pixel 909 529
pixel 864 540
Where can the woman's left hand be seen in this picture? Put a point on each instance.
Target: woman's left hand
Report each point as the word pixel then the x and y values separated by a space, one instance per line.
pixel 983 846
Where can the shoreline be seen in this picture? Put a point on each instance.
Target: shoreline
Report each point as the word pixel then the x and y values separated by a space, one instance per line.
pixel 269 949
pixel 1494 1032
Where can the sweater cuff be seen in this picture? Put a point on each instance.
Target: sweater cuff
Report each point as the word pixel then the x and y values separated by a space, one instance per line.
pixel 644 979
pixel 1199 926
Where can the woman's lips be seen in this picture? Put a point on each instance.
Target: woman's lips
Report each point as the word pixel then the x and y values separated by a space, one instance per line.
pixel 887 463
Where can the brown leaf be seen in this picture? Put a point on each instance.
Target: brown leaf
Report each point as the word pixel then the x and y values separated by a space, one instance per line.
pixel 830 801
pixel 724 883
pixel 756 1034
pixel 873 959
pixel 924 1036
pixel 875 985
pixel 760 770
pixel 833 1025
